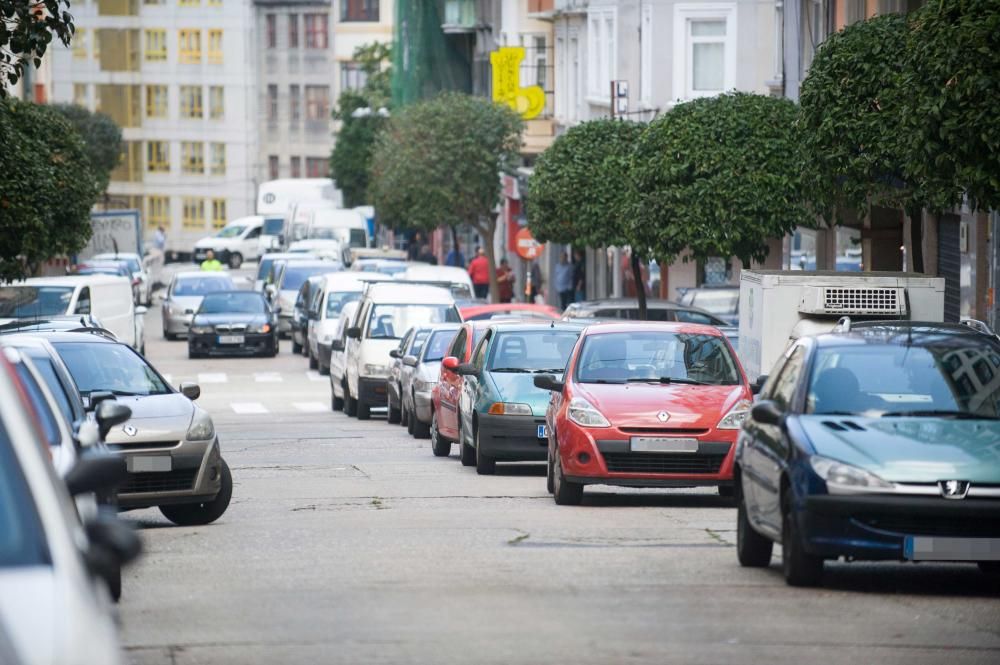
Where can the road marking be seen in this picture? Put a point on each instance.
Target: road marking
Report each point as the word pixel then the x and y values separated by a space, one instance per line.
pixel 244 408
pixel 212 377
pixel 313 375
pixel 267 377
pixel 310 407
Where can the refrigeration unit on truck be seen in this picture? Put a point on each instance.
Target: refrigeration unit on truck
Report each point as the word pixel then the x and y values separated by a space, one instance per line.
pixel 777 307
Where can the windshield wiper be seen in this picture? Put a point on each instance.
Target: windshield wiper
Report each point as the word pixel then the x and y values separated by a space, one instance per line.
pixel 557 370
pixel 668 379
pixel 519 370
pixel 126 393
pixel 933 413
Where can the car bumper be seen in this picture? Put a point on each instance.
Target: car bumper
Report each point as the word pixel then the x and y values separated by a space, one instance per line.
pixel 374 392
pixel 284 324
pixel 874 527
pixel 512 438
pixel 194 474
pixel 422 407
pixel 177 324
pixel 252 344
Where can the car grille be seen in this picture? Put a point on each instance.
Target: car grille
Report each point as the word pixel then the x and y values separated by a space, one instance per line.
pixel 663 462
pixel 144 445
pixel 932 525
pixel 664 431
pixel 231 328
pixel 170 481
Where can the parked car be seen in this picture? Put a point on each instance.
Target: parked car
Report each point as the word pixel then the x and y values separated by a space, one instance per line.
pixel 502 412
pixel 392 267
pixel 140 276
pixel 422 369
pixel 184 296
pixel 233 322
pixel 719 301
pixel 410 345
pixel 300 315
pixel 338 358
pixel 286 288
pixel 265 274
pixel 628 308
pixel 236 242
pixel 645 405
pixel 333 293
pixel 328 250
pixel 108 267
pixel 52 323
pixel 457 280
pixel 873 444
pixel 510 310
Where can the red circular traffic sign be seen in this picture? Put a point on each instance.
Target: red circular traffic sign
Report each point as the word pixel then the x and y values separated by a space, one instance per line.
pixel 526 246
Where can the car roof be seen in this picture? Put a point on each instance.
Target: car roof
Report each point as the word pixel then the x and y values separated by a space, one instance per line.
pixel 210 274
pixel 527 326
pixel 903 335
pixel 344 280
pixel 68 280
pixel 612 327
pixel 403 293
pixel 435 327
pixel 629 302
pixel 105 255
pixel 275 256
pixel 62 336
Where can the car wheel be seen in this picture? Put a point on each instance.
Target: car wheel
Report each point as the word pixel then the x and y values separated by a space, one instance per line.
pixel 169 336
pixel 275 347
pixel 485 464
pixel 364 411
pixel 404 416
pixel 727 491
pixel 313 363
pixel 565 493
pixel 296 347
pixel 350 406
pixel 194 514
pixel 752 549
pixel 115 584
pixel 324 370
pixel 191 353
pixel 394 415
pixel 336 403
pixel 440 445
pixel 420 430
pixel 989 567
pixel 800 567
pixel 235 260
pixel 411 421
pixel 550 474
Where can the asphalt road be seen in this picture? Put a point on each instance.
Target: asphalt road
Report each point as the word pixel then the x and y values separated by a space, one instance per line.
pixel 348 542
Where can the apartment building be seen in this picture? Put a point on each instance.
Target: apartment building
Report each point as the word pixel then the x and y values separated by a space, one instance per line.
pixel 177 76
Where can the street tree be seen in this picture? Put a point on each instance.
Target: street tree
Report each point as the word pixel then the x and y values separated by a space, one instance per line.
pixel 26 30
pixel 717 176
pixel 439 161
pixel 576 192
pixel 102 137
pixel 47 190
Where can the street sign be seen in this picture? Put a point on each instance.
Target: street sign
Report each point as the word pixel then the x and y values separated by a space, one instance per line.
pixel 526 246
pixel 115 230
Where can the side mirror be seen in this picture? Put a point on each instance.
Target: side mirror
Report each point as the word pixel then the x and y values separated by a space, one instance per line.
pixel 758 385
pixel 141 309
pixel 450 363
pixel 191 390
pixel 91 401
pixel 767 413
pixel 548 382
pixel 109 414
pixel 410 361
pixel 467 369
pixel 395 353
pixel 354 332
pixel 337 345
pixel 112 543
pixel 96 473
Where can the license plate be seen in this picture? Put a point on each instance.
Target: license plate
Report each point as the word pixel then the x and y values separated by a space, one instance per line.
pixel 231 339
pixel 663 444
pixel 927 548
pixel 542 432
pixel 145 464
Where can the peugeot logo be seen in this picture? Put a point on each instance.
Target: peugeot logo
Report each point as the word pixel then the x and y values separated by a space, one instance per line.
pixel 663 416
pixel 130 430
pixel 954 489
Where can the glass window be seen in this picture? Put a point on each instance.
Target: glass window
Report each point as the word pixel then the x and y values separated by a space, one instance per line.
pixel 293 31
pixel 272 103
pixel 199 286
pixel 193 157
pixel 656 357
pixel 218 159
pixel 97 366
pixel 215 47
pixel 335 301
pixel 216 102
pixel 687 316
pixel 156 45
pixel 783 390
pixel 191 101
pixel 418 342
pixel 156 101
pixel 50 426
pixel 478 351
pixel 158 211
pixel 390 321
pixel 193 216
pixel 22 540
pixel 272 166
pixel 295 274
pixel 359 10
pixel 318 167
pixel 532 351
pixel 295 103
pixel 189 42
pixel 47 371
pixel 316 31
pixel 271 31
pixel 19 302
pixel 158 157
pixel 218 213
pixel 233 302
pixel 707 54
pixel 80 44
pixel 458 345
pixel 317 102
pixel 188 3
pixel 437 345
pixel 80 96
pixel 352 76
pixel 296 164
pixel 717 301
pixel 83 301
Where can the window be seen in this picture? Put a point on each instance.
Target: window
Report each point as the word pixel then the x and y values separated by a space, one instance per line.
pixel 218 166
pixel 80 44
pixel 189 42
pixel 214 3
pixel 156 101
pixel 317 167
pixel 218 213
pixel 317 103
pixel 601 52
pixel 193 216
pixel 271 30
pixel 272 167
pixel 191 101
pixel 95 37
pixel 316 31
pixel 296 167
pixel 352 77
pixel 154 2
pixel 156 45
pixel 705 50
pixel 158 211
pixel 80 96
pixel 215 47
pixel 784 388
pixel 272 103
pixel 188 3
pixel 359 10
pixel 295 103
pixel 293 31
pixel 83 301
pixel 158 157
pixel 216 102
pixel 192 157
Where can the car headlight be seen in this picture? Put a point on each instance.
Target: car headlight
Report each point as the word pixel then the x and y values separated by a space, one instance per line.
pixel 584 414
pixel 371 369
pixel 734 419
pixel 424 386
pixel 202 427
pixel 509 409
pixel 201 330
pixel 846 479
pixel 262 328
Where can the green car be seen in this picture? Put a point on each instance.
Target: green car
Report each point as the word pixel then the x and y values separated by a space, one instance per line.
pixel 503 413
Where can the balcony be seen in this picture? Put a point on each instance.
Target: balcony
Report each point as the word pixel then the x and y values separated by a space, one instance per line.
pixel 459 16
pixel 569 6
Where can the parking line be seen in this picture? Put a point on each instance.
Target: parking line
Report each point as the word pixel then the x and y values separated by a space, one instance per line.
pixel 310 407
pixel 267 377
pixel 213 377
pixel 313 375
pixel 244 408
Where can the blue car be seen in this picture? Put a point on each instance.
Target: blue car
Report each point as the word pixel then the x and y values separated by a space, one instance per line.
pixel 881 443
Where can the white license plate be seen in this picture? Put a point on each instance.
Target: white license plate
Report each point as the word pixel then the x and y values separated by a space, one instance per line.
pixel 663 444
pixel 542 432
pixel 143 464
pixel 927 548
pixel 230 339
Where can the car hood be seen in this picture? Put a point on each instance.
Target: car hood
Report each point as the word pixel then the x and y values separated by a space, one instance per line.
pixel 29 612
pixel 910 450
pixel 638 404
pixel 214 241
pixel 520 388
pixel 186 303
pixel 215 319
pixel 154 418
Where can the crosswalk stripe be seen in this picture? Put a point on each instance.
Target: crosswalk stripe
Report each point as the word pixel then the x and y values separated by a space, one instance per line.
pixel 212 377
pixel 244 408
pixel 267 377
pixel 310 407
pixel 313 375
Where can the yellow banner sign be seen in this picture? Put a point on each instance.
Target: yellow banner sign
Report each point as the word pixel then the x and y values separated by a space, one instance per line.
pixel 507 89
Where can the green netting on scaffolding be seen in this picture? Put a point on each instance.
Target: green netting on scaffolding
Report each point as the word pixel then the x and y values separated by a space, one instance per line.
pixel 426 60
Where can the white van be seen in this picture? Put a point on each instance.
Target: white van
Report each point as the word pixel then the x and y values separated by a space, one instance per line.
pixel 334 292
pixel 386 312
pixel 275 199
pixel 347 226
pixel 456 279
pixel 298 218
pixel 235 243
pixel 108 298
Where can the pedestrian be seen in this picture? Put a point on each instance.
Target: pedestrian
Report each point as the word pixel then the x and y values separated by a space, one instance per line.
pixel 579 276
pixel 505 279
pixel 427 256
pixel 455 257
pixel 479 271
pixel 535 280
pixel 564 280
pixel 413 249
pixel 211 264
pixel 160 239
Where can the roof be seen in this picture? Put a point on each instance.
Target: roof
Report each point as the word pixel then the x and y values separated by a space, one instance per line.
pixel 611 327
pixel 403 293
pixel 276 256
pixel 527 326
pixel 903 335
pixel 60 336
pixel 211 274
pixel 351 281
pixel 481 308
pixel 627 302
pixel 68 280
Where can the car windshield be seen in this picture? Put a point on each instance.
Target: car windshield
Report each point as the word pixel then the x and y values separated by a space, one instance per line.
pixel 437 345
pixel 294 275
pixel 721 301
pixel 358 238
pixel 230 232
pixel 958 380
pixel 273 226
pixel 419 338
pixel 335 301
pixel 656 357
pixel 22 541
pixel 20 302
pixel 264 267
pixel 233 302
pixel 392 321
pixel 544 350
pixel 199 286
pixel 99 366
pixel 101 270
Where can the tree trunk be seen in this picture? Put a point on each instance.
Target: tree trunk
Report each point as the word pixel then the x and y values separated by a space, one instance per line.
pixel 640 288
pixel 916 240
pixel 487 229
pixel 454 241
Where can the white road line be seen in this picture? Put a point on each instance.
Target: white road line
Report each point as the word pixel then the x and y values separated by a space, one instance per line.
pixel 212 377
pixel 267 377
pixel 310 407
pixel 243 408
pixel 313 375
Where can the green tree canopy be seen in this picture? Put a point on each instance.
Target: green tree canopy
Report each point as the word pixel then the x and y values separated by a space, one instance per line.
pixel 47 190
pixel 718 176
pixel 102 137
pixel 26 30
pixel 439 162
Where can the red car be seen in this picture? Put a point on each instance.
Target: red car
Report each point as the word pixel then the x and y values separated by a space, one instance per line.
pixel 645 405
pixel 514 310
pixel 446 394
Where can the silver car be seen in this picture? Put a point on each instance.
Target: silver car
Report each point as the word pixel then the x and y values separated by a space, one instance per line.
pixel 184 298
pixel 410 345
pixel 170 445
pixel 419 381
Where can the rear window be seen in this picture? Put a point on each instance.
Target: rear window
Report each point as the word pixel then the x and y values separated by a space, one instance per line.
pixel 18 302
pixel 532 351
pixel 199 286
pixel 22 541
pixel 292 278
pixel 437 345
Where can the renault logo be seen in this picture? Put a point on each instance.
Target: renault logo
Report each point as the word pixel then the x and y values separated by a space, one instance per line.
pixel 954 489
pixel 130 430
pixel 663 416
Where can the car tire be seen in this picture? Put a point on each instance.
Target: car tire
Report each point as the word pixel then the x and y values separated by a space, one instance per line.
pixel 565 492
pixel 989 567
pixel 336 403
pixel 324 370
pixel 394 415
pixel 363 410
pixel 169 336
pixel 350 406
pixel 313 363
pixel 206 512
pixel 191 354
pixel 550 480
pixel 752 549
pixel 439 445
pixel 235 260
pixel 411 421
pixel 296 347
pixel 420 430
pixel 485 464
pixel 115 584
pixel 404 416
pixel 800 567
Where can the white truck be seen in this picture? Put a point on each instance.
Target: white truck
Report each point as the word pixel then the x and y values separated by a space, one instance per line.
pixel 275 199
pixel 777 307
